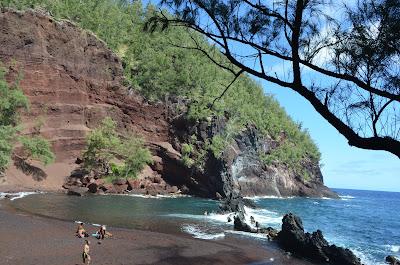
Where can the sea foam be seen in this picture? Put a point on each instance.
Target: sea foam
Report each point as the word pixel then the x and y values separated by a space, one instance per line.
pixel 17 195
pixel 346 197
pixel 158 196
pixel 196 232
pixel 393 248
pixel 263 216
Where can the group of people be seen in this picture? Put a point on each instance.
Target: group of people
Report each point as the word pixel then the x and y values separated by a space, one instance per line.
pixel 102 233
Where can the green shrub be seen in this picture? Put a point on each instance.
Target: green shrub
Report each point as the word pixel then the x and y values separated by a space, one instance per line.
pixel 38 148
pixel 135 156
pixel 187 161
pixel 7 134
pixel 187 149
pixel 104 146
pixel 217 145
pixel 12 100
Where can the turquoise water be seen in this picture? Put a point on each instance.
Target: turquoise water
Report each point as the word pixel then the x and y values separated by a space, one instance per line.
pixel 364 221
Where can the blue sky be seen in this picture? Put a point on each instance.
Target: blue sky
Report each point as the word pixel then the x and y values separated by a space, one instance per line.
pixel 343 166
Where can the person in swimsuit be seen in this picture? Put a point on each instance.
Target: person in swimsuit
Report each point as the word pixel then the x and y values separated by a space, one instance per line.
pixel 85 253
pixel 80 231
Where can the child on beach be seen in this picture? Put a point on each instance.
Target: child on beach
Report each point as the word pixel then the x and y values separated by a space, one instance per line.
pixel 85 253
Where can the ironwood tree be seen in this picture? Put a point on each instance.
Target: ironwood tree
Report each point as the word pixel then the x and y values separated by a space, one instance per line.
pixel 347 66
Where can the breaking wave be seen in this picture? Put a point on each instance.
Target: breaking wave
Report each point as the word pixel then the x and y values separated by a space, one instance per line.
pixel 196 232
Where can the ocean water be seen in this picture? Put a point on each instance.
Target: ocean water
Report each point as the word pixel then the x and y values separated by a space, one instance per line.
pixel 367 222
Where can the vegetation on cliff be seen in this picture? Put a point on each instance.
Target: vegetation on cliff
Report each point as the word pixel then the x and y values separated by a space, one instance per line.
pixel 112 156
pixel 12 99
pixel 157 67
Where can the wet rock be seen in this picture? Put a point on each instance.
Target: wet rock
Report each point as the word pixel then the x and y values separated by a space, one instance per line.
pixel 77 191
pixel 338 255
pixel 240 225
pixel 392 260
pixel 270 232
pixel 313 246
pixel 93 187
pixel 250 203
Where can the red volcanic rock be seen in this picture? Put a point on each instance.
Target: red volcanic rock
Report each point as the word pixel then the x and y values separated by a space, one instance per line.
pixel 119 181
pixel 108 188
pixel 121 188
pixel 99 182
pixel 133 184
pixel 73 80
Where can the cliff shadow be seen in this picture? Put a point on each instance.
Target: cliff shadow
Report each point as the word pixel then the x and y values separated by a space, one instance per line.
pixel 30 170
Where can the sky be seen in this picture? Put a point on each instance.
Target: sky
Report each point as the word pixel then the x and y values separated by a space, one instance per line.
pixel 343 166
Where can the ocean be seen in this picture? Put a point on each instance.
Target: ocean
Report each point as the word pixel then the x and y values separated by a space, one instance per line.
pixel 367 222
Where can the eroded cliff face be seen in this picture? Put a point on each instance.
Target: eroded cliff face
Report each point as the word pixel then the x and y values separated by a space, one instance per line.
pixel 240 170
pixel 73 81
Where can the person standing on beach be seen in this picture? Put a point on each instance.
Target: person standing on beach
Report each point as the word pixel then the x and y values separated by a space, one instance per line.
pixel 85 253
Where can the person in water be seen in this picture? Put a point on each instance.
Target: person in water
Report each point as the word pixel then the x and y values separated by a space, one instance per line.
pixel 85 253
pixel 80 231
pixel 252 221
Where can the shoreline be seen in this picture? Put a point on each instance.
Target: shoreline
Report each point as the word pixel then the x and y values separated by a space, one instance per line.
pixel 53 241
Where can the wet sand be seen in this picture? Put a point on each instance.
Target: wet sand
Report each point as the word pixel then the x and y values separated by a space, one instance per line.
pixel 27 239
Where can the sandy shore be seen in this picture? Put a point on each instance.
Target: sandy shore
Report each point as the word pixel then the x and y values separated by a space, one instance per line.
pixel 27 239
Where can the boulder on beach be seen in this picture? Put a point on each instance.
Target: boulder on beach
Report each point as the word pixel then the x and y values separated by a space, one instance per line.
pixel 93 187
pixel 313 246
pixel 77 191
pixel 270 232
